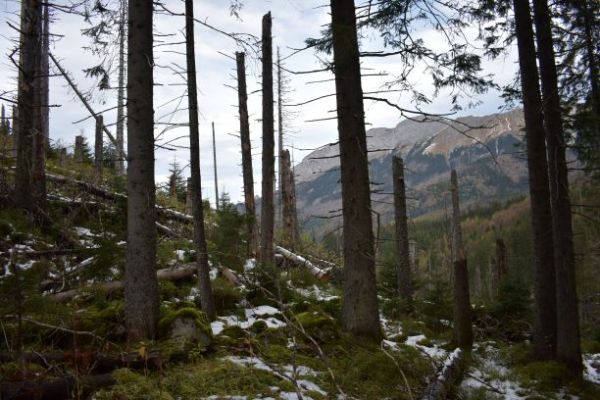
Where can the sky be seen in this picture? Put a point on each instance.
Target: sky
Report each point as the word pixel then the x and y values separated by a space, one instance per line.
pixel 293 22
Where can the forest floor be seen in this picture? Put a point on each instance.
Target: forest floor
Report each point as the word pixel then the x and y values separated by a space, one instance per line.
pixel 276 335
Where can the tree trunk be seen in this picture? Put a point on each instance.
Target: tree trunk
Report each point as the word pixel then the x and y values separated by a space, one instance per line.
pixel 544 327
pixel 280 138
pixel 141 285
pixel 45 75
pixel 214 143
pixel 189 197
pixel 568 349
pixel 463 330
pixel 98 147
pixel 206 296
pixel 267 220
pixel 29 62
pixel 500 266
pixel 120 162
pixel 360 312
pixel 401 222
pixel 246 154
pixel 288 195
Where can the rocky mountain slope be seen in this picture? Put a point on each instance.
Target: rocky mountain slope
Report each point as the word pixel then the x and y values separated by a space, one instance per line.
pixel 486 151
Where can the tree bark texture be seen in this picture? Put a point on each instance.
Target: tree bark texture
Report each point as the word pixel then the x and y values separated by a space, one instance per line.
pixel 544 327
pixel 216 175
pixel 463 330
pixel 29 62
pixel 98 146
pixel 267 220
pixel 120 162
pixel 288 196
pixel 360 313
pixel 141 285
pixel 206 296
pixel 401 225
pixel 246 154
pixel 568 348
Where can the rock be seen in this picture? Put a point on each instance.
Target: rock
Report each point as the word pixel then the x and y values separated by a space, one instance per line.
pixel 186 325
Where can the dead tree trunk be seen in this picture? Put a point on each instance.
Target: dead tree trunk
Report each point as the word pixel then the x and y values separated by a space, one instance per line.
pixel 401 222
pixel 29 62
pixel 544 327
pixel 214 143
pixel 280 138
pixel 568 349
pixel 246 155
pixel 206 296
pixel 463 330
pixel 120 162
pixel 288 195
pixel 141 285
pixel 98 146
pixel 267 220
pixel 360 312
pixel 189 197
pixel 78 150
pixel 45 76
pixel 15 130
pixel 500 266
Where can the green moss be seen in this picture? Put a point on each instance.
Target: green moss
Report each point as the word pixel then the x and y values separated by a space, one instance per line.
pixel 226 297
pixel 542 375
pixel 12 371
pixel 234 332
pixel 131 385
pixel 198 317
pixel 321 326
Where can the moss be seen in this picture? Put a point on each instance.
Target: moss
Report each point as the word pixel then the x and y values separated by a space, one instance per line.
pixel 542 375
pixel 198 317
pixel 321 326
pixel 234 332
pixel 259 326
pixel 226 297
pixel 12 371
pixel 131 385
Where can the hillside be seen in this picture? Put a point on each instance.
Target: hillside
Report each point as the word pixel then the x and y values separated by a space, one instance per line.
pixel 485 151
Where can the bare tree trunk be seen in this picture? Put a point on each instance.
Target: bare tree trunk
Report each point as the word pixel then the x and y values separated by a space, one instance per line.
pixel 288 194
pixel 189 197
pixel 29 62
pixel 463 330
pixel 544 327
pixel 401 222
pixel 360 312
pixel 141 285
pixel 280 137
pixel 45 76
pixel 15 130
pixel 206 296
pixel 267 220
pixel 246 155
pixel 78 149
pixel 568 349
pixel 120 162
pixel 214 143
pixel 98 147
pixel 500 266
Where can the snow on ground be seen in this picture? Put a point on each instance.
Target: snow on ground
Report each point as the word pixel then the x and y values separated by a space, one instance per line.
pixel 315 293
pixel 591 363
pixel 435 352
pixel 287 372
pixel 260 313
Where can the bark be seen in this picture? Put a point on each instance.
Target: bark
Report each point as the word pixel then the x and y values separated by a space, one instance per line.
pixel 78 151
pixel 167 274
pixel 544 326
pixel 246 155
pixel 401 222
pixel 60 388
pixel 98 147
pixel 360 312
pixel 568 348
pixel 29 62
pixel 500 266
pixel 189 198
pixel 15 130
pixel 303 262
pixel 45 75
pixel 448 376
pixel 463 329
pixel 206 296
pixel 141 285
pixel 280 137
pixel 120 162
pixel 214 143
pixel 288 195
pixel 267 220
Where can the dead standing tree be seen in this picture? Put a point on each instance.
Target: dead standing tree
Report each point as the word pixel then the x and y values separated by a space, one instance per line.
pixel 206 297
pixel 401 223
pixel 246 154
pixel 360 311
pixel 288 199
pixel 267 221
pixel 463 331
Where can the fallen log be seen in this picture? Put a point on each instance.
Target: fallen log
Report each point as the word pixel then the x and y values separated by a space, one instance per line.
pixel 59 388
pixel 303 262
pixel 231 277
pixel 167 274
pixel 447 377
pixel 92 362
pixel 109 195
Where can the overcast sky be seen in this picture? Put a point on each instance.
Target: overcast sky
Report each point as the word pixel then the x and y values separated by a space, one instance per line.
pixel 293 22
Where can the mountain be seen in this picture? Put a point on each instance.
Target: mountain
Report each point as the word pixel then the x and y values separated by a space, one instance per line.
pixel 486 151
